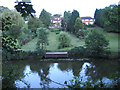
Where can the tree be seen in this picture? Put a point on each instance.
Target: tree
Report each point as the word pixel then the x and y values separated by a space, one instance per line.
pixel 96 44
pixel 74 16
pixel 78 25
pixel 45 18
pixel 11 22
pixel 42 38
pixel 14 17
pixel 25 9
pixel 108 18
pixel 34 23
pixel 57 15
pixel 64 40
pixel 65 20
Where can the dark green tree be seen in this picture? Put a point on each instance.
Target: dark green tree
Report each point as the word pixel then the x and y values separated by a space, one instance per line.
pixel 65 20
pixel 108 18
pixel 25 9
pixel 74 16
pixel 34 23
pixel 42 38
pixel 96 44
pixel 45 18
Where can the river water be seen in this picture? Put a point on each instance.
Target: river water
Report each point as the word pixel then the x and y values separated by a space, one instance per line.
pixel 39 74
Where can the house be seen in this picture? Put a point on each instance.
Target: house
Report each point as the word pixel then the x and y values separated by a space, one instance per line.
pixel 55 21
pixel 88 20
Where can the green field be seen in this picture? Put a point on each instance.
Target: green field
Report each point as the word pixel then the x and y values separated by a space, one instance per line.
pixel 53 42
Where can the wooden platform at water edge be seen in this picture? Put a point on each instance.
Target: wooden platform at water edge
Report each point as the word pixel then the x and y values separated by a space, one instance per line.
pixel 56 55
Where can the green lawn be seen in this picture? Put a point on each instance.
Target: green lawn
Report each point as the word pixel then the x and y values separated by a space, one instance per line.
pixel 53 42
pixel 113 41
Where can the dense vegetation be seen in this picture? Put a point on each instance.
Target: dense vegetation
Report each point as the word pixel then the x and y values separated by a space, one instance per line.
pixel 108 18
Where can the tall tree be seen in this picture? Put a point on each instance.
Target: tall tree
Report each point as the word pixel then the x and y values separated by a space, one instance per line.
pixel 11 23
pixel 74 16
pixel 34 23
pixel 108 18
pixel 65 20
pixel 78 25
pixel 42 38
pixel 45 17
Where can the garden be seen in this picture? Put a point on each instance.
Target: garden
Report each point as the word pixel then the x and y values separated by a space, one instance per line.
pixel 92 62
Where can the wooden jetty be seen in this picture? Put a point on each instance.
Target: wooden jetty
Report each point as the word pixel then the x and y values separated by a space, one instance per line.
pixel 56 54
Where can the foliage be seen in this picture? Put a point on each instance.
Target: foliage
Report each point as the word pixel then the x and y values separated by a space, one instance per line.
pixel 64 40
pixel 11 23
pixel 82 33
pixel 45 18
pixel 77 82
pixel 108 18
pixel 38 53
pixel 57 15
pixel 56 30
pixel 10 17
pixel 65 20
pixel 34 23
pixel 25 9
pixel 78 25
pixel 77 52
pixel 42 38
pixel 71 23
pixel 14 31
pixel 10 75
pixel 96 44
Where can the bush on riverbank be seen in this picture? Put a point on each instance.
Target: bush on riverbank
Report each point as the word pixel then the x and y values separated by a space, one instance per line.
pixel 96 45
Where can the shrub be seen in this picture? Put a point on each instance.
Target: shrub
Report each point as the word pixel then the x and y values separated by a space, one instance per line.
pixel 82 33
pixel 42 38
pixel 96 44
pixel 64 40
pixel 39 53
pixel 77 52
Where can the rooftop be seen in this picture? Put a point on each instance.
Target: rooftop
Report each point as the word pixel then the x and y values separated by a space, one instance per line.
pixel 86 17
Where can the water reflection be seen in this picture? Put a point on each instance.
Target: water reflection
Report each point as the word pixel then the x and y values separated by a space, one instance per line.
pixel 49 74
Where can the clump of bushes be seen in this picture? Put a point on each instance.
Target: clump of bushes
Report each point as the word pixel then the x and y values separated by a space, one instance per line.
pixel 64 40
pixel 96 44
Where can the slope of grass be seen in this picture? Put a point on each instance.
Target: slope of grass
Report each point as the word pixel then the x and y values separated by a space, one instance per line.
pixel 75 42
pixel 53 43
pixel 30 45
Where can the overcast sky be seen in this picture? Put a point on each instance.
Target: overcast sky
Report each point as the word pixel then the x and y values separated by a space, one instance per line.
pixel 85 7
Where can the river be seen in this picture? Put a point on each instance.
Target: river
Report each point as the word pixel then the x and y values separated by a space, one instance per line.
pixel 51 74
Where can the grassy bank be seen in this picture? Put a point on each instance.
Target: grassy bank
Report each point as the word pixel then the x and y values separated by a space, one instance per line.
pixel 53 42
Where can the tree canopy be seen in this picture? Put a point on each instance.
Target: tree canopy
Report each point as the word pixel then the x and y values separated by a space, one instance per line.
pixel 78 24
pixel 45 18
pixel 108 18
pixel 74 16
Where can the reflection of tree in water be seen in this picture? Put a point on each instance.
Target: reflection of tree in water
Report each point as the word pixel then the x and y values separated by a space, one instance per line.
pixel 102 68
pixel 43 70
pixel 65 66
pixel 12 72
pixel 74 66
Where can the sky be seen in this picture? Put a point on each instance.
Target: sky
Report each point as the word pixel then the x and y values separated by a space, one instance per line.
pixel 84 7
